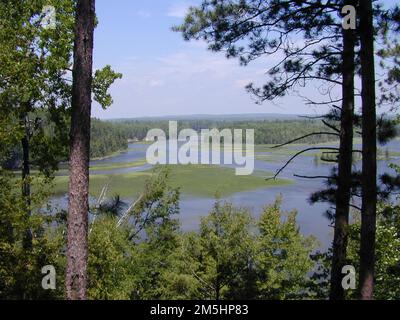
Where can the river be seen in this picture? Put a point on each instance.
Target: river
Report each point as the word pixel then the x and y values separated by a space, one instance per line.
pixel 311 218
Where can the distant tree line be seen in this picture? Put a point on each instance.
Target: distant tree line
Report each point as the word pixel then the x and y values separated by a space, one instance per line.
pixel 108 137
pixel 266 131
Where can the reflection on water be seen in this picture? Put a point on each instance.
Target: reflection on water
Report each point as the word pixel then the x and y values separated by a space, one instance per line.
pixel 135 152
pixel 310 217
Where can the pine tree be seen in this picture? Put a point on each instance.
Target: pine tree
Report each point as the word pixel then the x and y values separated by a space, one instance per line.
pixel 326 55
pixel 369 137
pixel 343 193
pixel 77 251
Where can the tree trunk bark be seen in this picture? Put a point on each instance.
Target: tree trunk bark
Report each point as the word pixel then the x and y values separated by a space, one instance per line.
pixel 369 176
pixel 343 195
pixel 26 174
pixel 77 251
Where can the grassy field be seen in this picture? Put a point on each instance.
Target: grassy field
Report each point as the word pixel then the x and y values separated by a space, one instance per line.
pixel 194 180
pixel 113 166
pixel 106 166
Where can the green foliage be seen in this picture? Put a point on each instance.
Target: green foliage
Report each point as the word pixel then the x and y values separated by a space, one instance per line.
pixel 387 269
pixel 35 79
pixel 127 251
pixel 220 256
pixel 235 257
pixel 102 81
pixel 140 252
pixel 106 138
pixel 33 74
pixel 20 267
pixel 50 143
pixel 110 254
pixel 283 255
pixel 390 57
pixel 387 277
pixel 10 135
pixel 230 257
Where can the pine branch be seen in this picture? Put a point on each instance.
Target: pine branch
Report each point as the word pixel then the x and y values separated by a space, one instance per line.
pixel 295 156
pixel 303 137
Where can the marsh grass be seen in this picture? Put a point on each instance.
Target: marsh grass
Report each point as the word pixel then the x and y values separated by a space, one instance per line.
pixel 193 180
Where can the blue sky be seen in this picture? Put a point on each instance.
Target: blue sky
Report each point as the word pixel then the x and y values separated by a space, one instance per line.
pixel 164 75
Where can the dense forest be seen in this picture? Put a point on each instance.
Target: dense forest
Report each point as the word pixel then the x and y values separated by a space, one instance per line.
pixel 111 136
pixel 266 131
pixel 107 138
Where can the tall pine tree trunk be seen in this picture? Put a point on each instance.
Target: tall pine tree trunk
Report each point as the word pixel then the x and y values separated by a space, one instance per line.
pixel 343 195
pixel 77 252
pixel 369 176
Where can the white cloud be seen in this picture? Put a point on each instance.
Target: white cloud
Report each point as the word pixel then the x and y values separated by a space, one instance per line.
pixel 184 65
pixel 192 80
